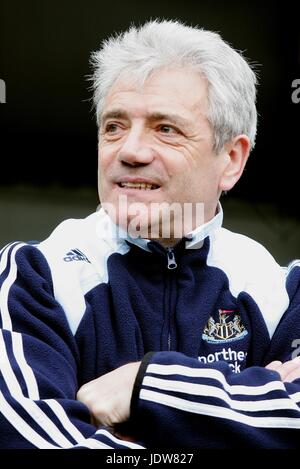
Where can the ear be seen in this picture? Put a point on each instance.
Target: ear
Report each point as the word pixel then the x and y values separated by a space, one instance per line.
pixel 236 152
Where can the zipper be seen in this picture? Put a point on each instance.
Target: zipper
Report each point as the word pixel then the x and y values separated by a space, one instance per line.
pixel 169 341
pixel 172 264
pixel 171 259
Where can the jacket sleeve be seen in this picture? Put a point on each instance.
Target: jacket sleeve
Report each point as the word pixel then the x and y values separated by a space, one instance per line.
pixel 285 344
pixel 190 404
pixel 39 362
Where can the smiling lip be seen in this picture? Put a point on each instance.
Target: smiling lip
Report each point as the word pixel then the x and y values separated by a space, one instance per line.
pixel 137 183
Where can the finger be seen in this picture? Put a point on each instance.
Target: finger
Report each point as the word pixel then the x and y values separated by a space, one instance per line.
pixel 292 376
pixel 275 365
pixel 123 437
pixel 291 370
pixel 290 367
pixel 94 421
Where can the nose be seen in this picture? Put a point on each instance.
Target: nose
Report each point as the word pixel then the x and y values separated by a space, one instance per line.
pixel 136 149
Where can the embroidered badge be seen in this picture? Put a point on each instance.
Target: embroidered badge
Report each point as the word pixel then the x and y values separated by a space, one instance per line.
pixel 228 329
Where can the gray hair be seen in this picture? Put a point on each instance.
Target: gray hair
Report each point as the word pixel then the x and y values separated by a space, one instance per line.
pixel 156 44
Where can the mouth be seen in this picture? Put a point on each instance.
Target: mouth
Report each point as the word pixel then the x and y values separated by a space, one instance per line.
pixel 146 186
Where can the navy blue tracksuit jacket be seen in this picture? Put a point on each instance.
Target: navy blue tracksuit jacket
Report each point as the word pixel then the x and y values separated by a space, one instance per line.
pixel 204 317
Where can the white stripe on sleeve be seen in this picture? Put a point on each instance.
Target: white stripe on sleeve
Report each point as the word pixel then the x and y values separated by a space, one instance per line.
pixel 166 370
pixel 212 391
pixel 218 412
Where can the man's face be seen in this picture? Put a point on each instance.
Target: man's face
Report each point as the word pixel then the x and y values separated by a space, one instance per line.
pixel 156 145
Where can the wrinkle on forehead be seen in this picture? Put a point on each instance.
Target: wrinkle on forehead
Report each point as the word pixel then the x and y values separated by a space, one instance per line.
pixel 176 76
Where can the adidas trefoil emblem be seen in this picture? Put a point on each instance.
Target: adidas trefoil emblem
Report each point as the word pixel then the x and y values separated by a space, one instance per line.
pixel 227 329
pixel 75 255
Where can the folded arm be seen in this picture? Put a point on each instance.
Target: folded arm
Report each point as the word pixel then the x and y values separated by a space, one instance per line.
pixel 39 362
pixel 186 403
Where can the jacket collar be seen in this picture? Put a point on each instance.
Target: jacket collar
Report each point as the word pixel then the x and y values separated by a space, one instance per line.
pixel 194 239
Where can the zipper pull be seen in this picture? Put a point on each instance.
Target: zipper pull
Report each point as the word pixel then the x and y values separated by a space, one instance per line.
pixel 171 259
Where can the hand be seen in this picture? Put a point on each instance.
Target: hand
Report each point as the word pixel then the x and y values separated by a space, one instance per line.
pixel 289 371
pixel 108 397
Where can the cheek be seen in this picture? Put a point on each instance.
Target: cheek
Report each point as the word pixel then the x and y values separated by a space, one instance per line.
pixel 196 182
pixel 104 162
pixel 102 172
pixel 175 163
pixel 101 156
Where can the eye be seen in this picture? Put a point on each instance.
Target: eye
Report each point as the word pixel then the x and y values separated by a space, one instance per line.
pixel 111 128
pixel 168 129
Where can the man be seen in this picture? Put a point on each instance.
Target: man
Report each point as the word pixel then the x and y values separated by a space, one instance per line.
pixel 169 329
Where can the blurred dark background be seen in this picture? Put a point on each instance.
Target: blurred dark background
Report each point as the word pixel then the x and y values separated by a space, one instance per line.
pixel 48 139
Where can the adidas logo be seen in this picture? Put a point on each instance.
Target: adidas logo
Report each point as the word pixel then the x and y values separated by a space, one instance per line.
pixel 75 255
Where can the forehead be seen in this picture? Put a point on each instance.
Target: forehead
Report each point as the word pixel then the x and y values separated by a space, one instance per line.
pixel 183 91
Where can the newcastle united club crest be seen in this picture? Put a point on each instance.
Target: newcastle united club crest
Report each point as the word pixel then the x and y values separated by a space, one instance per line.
pixel 227 329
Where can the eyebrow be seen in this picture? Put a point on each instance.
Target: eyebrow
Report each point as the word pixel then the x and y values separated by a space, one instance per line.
pixel 151 116
pixel 173 118
pixel 113 114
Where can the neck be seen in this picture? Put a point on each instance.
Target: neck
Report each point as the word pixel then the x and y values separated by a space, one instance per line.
pixel 167 242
